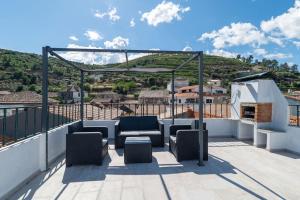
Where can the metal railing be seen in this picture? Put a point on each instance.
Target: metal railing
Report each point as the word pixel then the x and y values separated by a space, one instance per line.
pixel 164 111
pixel 17 123
pixel 294 118
pixel 21 122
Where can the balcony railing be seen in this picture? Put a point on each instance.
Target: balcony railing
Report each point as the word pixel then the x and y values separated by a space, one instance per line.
pixel 19 123
pixel 164 111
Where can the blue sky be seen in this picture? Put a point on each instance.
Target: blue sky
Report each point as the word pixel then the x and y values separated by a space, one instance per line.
pixel 263 28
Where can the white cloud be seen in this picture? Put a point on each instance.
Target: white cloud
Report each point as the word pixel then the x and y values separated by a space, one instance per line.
pixel 93 35
pixel 276 40
pixel 93 58
pixel 260 52
pixel 278 56
pixel 165 12
pixel 99 58
pixel 84 57
pixel 234 35
pixel 297 43
pixel 287 24
pixel 223 53
pixel 132 23
pixel 117 43
pixel 187 48
pixel 111 14
pixel 265 54
pixel 73 37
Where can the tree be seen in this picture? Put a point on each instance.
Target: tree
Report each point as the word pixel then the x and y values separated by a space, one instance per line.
pixel 20 88
pixel 32 88
pixel 151 81
pixel 249 59
pixel 294 68
pixel 87 87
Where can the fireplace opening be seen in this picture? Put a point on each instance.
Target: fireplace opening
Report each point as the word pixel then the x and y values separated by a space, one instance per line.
pixel 248 112
pixel 258 112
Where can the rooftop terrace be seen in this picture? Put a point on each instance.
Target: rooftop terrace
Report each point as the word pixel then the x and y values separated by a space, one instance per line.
pixel 235 170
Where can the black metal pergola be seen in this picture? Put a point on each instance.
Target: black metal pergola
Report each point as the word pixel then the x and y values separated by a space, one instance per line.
pixel 53 51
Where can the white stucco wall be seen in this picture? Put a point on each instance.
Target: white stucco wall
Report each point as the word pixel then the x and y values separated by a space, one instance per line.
pixel 216 127
pixel 261 91
pixel 293 139
pixel 24 159
pixel 18 162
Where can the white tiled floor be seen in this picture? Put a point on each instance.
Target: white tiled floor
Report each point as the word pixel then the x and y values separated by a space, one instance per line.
pixel 235 170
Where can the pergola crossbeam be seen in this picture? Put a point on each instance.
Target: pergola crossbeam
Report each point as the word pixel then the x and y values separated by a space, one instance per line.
pixel 98 50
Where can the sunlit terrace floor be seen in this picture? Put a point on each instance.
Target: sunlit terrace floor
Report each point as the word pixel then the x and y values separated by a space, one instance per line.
pixel 235 170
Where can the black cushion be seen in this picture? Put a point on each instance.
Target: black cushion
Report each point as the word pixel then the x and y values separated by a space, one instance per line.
pixel 132 123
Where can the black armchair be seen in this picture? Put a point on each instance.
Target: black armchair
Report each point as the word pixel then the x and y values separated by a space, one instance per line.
pixel 183 142
pixel 86 145
pixel 85 148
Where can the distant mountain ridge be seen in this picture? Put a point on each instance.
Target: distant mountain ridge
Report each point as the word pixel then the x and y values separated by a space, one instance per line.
pixel 22 71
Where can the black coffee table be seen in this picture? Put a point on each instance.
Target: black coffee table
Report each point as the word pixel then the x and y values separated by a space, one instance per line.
pixel 137 150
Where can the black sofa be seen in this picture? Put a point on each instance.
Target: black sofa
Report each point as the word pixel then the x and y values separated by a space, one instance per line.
pixel 139 126
pixel 184 142
pixel 86 145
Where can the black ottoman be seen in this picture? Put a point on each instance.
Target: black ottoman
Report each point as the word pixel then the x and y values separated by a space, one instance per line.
pixel 137 150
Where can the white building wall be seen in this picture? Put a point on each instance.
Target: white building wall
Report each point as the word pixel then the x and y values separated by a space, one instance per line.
pixel 261 91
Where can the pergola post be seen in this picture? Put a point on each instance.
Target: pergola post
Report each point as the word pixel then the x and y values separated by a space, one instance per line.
pixel 81 95
pixel 45 124
pixel 201 72
pixel 173 93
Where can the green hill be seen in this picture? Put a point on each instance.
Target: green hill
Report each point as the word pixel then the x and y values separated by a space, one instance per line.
pixel 22 71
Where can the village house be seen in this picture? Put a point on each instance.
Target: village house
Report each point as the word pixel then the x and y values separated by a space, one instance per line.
pixel 214 82
pixel 25 98
pixel 153 97
pixel 206 89
pixel 178 83
pixel 72 95
pixel 4 92
pixel 189 94
pixel 105 98
pixel 21 99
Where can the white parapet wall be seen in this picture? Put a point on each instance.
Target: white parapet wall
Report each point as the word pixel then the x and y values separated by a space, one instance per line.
pixel 293 139
pixel 22 160
pixel 217 127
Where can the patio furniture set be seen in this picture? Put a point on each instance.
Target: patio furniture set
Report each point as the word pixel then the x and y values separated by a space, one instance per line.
pixel 137 135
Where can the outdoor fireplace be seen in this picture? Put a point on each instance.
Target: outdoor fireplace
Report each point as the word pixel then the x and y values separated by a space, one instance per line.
pixel 258 112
